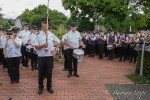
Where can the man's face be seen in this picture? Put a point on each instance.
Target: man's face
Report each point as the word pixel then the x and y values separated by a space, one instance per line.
pixel 15 34
pixel 44 25
pixel 112 32
pixel 73 29
pixel 26 27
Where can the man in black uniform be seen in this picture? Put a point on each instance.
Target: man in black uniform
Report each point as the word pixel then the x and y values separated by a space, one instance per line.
pixel 101 38
pixel 111 40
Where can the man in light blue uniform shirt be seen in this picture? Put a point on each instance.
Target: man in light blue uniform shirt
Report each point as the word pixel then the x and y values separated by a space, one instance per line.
pixel 33 54
pixel 24 35
pixel 13 55
pixel 65 51
pixel 45 50
pixel 73 41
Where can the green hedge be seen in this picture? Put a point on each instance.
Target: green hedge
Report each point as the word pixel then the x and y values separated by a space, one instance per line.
pixel 146 68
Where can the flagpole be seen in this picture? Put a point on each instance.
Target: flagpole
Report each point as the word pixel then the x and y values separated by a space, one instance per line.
pixel 47 20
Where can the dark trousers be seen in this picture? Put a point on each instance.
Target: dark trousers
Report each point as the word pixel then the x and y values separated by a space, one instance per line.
pixel 128 52
pixel 14 68
pixel 85 50
pixel 105 50
pixel 45 65
pixel 65 60
pixel 24 55
pixel 117 52
pixel 71 60
pixel 3 59
pixel 133 55
pixel 34 58
pixel 123 53
pixel 100 50
pixel 111 54
pixel 91 50
pixel 96 49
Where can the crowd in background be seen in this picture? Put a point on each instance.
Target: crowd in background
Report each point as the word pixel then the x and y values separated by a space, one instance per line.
pixel 124 46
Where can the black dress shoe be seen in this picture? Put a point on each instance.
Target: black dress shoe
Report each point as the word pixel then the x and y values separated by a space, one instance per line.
pixel 12 82
pixel 32 69
pixel 64 69
pixel 72 69
pixel 76 75
pixel 130 61
pixel 50 90
pixel 36 68
pixel 69 75
pixel 40 91
pixel 120 60
pixel 17 81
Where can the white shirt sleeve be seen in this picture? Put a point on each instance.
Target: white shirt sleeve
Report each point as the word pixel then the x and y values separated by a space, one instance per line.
pixel 127 38
pixel 19 41
pixel 56 39
pixel 115 38
pixel 36 41
pixel 105 37
pixel 94 38
pixel 63 37
pixel 20 34
pixel 108 39
pixel 80 37
pixel 66 35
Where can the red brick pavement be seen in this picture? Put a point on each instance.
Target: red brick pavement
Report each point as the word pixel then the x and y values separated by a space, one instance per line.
pixel 94 74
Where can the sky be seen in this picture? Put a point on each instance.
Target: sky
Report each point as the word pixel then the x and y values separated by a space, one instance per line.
pixel 13 8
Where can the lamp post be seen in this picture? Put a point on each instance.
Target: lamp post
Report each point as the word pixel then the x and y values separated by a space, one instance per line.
pixel 142 60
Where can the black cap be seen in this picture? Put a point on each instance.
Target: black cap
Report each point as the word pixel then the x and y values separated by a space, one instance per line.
pixel 35 28
pixel 26 24
pixel 73 24
pixel 44 20
pixel 15 30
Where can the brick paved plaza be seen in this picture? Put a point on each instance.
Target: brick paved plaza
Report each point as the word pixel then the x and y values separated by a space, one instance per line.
pixel 94 74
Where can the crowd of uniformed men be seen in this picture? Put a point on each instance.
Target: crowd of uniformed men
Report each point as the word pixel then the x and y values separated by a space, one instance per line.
pixel 41 45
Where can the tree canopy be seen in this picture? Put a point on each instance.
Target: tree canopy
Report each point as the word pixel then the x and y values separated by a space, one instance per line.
pixel 116 14
pixel 33 17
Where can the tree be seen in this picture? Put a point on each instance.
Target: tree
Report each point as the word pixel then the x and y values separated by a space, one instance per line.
pixel 86 25
pixel 1 18
pixel 33 17
pixel 111 13
pixel 6 24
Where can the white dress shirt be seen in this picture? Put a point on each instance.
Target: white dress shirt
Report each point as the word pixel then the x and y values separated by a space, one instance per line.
pixel 63 38
pixel 32 38
pixel 73 38
pixel 41 39
pixel 12 50
pixel 24 35
pixel 2 41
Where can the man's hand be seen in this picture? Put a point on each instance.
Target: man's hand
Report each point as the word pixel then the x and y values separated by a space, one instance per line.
pixel 53 52
pixel 83 46
pixel 46 45
pixel 7 37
